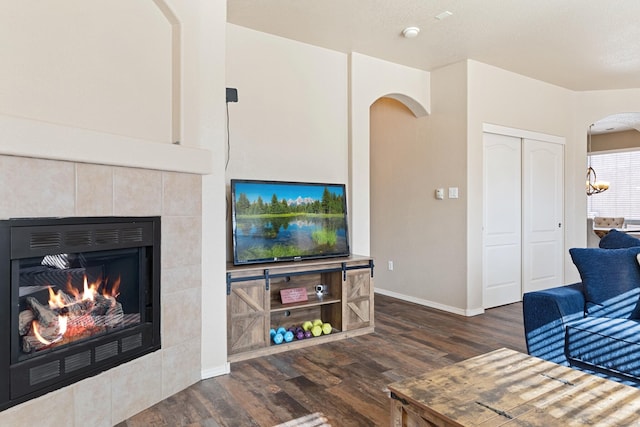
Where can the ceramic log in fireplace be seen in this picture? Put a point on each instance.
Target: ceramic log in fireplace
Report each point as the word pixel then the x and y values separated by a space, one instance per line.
pixel 77 296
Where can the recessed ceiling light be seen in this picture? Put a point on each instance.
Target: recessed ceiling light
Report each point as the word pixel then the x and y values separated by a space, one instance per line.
pixel 443 15
pixel 411 32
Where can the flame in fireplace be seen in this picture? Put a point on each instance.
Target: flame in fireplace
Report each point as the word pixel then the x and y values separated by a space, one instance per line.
pixel 55 300
pixel 115 289
pixel 64 304
pixel 62 324
pixel 62 328
pixel 89 292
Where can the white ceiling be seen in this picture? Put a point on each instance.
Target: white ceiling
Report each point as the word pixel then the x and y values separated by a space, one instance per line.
pixel 577 44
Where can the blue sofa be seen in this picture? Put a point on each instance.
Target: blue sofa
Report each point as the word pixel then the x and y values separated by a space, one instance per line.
pixel 593 325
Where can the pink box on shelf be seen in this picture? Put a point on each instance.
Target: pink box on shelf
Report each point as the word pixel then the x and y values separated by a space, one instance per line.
pixel 293 295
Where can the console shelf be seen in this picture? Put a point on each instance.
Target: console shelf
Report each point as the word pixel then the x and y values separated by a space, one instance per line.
pixel 310 303
pixel 254 305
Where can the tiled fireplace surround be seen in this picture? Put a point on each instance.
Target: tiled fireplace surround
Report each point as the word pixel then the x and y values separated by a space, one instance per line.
pixel 48 188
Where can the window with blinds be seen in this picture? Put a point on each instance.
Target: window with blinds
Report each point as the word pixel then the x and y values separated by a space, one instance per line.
pixel 622 199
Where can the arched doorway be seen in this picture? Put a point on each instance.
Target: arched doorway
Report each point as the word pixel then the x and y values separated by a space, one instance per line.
pixel 397 175
pixel 417 239
pixel 613 152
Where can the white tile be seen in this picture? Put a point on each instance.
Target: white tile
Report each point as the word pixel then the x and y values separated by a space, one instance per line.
pixel 181 367
pixel 137 192
pixel 181 241
pixel 57 188
pixel 180 278
pixel 58 405
pixel 181 317
pixel 182 194
pixel 92 400
pixel 135 386
pixel 94 185
pixel 36 187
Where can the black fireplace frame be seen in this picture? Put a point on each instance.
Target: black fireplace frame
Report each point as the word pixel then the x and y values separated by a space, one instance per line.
pixel 30 237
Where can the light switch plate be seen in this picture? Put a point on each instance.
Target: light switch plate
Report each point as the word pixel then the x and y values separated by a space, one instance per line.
pixel 453 192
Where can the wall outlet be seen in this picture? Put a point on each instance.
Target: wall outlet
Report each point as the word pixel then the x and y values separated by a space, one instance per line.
pixel 390 266
pixel 440 193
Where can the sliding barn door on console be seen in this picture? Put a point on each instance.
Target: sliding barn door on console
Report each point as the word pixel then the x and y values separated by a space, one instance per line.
pixel 523 237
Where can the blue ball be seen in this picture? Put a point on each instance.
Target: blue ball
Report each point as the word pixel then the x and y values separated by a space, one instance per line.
pixel 278 338
pixel 272 332
pixel 288 337
pixel 281 330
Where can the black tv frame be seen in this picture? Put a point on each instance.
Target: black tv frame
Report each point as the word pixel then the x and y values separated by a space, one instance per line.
pixel 301 257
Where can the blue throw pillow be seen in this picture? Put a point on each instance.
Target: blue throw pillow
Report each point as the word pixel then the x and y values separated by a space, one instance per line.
pixel 615 239
pixel 611 279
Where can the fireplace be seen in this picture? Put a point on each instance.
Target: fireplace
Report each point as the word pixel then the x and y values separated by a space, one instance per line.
pixel 77 296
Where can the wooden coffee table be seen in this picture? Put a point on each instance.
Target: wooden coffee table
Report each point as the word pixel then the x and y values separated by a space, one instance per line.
pixel 508 388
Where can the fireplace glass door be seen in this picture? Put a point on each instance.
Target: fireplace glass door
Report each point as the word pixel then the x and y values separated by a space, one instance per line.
pixel 71 297
pixel 78 296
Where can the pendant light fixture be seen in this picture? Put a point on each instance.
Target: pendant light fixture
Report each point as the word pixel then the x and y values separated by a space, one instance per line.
pixel 593 185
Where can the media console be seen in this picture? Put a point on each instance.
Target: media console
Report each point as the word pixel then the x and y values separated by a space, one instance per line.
pixel 254 304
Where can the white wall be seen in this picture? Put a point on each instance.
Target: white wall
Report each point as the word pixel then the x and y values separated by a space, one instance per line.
pixel 83 72
pixel 625 140
pixel 290 121
pixel 279 102
pixel 495 96
pixel 503 98
pixel 462 98
pixel 411 157
pixel 202 113
pixel 370 79
pixel 588 107
pixel 296 106
pixel 499 97
pixel 292 118
pixel 103 82
pixel 96 80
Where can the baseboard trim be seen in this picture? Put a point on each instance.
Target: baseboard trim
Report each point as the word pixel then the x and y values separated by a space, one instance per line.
pixel 216 372
pixel 431 304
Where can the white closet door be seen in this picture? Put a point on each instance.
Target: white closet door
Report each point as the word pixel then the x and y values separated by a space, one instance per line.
pixel 502 228
pixel 543 230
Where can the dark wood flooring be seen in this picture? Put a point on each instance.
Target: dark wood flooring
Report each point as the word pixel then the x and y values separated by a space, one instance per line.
pixel 346 380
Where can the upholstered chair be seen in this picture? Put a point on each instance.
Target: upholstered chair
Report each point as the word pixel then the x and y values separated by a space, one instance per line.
pixel 606 223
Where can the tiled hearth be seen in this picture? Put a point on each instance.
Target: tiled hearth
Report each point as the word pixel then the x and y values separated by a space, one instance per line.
pixel 46 188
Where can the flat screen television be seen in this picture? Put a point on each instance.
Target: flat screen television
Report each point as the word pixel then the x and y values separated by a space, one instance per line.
pixel 288 221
